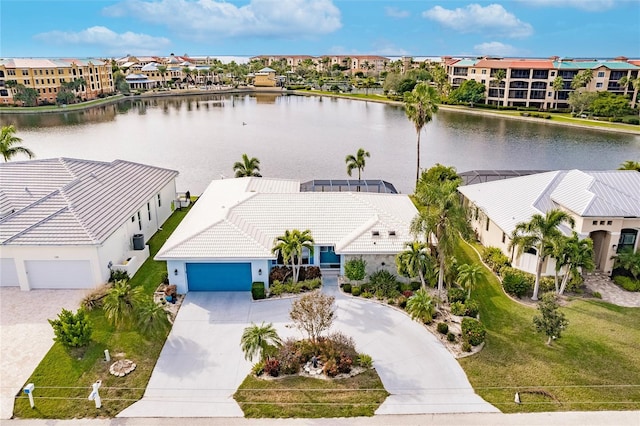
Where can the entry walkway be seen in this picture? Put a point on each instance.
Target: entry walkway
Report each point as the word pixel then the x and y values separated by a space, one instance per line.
pixel 610 292
pixel 201 364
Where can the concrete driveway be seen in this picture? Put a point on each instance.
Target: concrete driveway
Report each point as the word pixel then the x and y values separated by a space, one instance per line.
pixel 201 364
pixel 26 336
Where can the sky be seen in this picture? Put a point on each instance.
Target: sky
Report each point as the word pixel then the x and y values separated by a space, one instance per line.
pixel 520 28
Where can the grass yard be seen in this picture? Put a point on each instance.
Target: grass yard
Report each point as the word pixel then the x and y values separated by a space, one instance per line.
pixel 305 397
pixel 594 366
pixel 63 379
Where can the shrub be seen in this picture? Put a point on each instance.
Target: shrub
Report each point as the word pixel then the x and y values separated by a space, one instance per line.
pixel 279 273
pixel 443 328
pixel 330 368
pixel 354 269
pixel 367 295
pixel 93 300
pixel 257 290
pixel 309 284
pixel 415 285
pixel 627 283
pixel 457 308
pixel 515 284
pixel 471 309
pixel 118 275
pixel 290 357
pixel 258 368
pixel 402 302
pixel 421 307
pixel 466 347
pixel 547 284
pixel 494 257
pixel 407 293
pixel 277 288
pixel 473 331
pixel 405 287
pixel 364 361
pixel 346 288
pixel 384 282
pixel 451 337
pixel 272 367
pixel 165 278
pixel 597 295
pixel 344 363
pixel 355 290
pixel 456 294
pixel 632 120
pixel 72 330
pixel 308 273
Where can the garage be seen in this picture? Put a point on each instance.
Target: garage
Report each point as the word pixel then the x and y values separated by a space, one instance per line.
pixel 219 276
pixel 59 274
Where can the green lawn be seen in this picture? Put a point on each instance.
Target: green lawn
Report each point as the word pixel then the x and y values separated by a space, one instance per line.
pixel 63 379
pixel 305 397
pixel 594 366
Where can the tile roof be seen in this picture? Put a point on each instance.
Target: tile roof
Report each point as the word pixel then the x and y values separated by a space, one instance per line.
pixel 65 201
pixel 531 64
pixel 508 202
pixel 230 221
pixel 48 62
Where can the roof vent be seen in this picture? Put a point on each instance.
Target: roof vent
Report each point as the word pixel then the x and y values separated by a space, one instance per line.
pixel 392 233
pixel 375 233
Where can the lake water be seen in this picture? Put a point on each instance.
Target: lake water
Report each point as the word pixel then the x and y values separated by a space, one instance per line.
pixel 308 138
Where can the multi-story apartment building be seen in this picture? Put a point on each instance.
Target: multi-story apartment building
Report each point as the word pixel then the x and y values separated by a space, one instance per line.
pixel 529 82
pixel 47 75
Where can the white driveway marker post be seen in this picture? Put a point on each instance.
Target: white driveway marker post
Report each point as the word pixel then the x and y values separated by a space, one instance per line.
pixel 94 395
pixel 29 391
pixel 107 357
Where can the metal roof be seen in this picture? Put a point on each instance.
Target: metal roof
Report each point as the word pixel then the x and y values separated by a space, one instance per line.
pixel 346 185
pixel 229 221
pixel 65 201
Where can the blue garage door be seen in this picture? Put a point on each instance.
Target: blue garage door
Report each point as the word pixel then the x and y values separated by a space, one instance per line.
pixel 219 276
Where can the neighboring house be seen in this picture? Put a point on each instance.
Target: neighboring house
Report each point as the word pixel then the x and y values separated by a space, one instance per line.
pixel 140 82
pixel 266 77
pixel 64 223
pixel 604 204
pixel 225 242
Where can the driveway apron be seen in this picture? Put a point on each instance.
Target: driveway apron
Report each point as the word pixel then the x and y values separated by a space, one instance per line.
pixel 202 365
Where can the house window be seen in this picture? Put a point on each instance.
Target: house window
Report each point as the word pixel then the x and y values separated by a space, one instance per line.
pixel 595 222
pixel 553 73
pixel 609 222
pixel 531 250
pixel 139 222
pixel 600 74
pixel 504 237
pixel 549 93
pixel 487 225
pixel 476 214
pixel 159 201
pixel 149 211
pixel 484 71
pixel 598 85
pixel 602 222
pixel 375 233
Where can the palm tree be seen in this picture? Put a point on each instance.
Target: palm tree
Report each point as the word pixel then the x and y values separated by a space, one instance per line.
pixel 498 78
pixel 247 167
pixel 357 162
pixel 291 246
pixel 415 260
pixel 162 70
pixel 557 85
pixel 420 104
pixel 8 142
pixel 445 217
pixel 629 261
pixel 152 318
pixel 420 306
pixel 634 83
pixel 630 165
pixel 538 234
pixel 469 275
pixel 259 340
pixel 576 256
pixel 121 303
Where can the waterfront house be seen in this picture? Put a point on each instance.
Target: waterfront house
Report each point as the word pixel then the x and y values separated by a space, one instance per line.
pixel 225 242
pixel 65 223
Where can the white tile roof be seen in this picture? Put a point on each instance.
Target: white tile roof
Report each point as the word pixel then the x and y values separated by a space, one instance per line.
pixel 64 201
pixel 508 202
pixel 231 221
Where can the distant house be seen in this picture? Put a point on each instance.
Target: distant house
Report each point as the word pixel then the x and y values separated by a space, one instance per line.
pixel 140 82
pixel 65 223
pixel 266 77
pixel 604 204
pixel 225 241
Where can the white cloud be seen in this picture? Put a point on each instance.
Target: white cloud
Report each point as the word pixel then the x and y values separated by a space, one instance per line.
pixel 495 48
pixel 493 19
pixel 394 12
pixel 588 5
pixel 213 18
pixel 109 41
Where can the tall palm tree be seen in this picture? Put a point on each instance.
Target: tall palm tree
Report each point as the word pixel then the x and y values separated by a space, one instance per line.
pixel 357 162
pixel 498 78
pixel 291 245
pixel 630 165
pixel 577 256
pixel 445 217
pixel 9 142
pixel 635 85
pixel 557 85
pixel 259 340
pixel 415 260
pixel 468 276
pixel 162 70
pixel 421 307
pixel 247 167
pixel 121 303
pixel 420 104
pixel 538 234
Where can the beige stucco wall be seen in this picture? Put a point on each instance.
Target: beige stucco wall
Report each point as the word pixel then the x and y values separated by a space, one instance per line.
pixel 376 262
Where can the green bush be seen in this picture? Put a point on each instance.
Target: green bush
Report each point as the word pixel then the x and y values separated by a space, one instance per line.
pixel 471 308
pixel 405 287
pixel 494 257
pixel 457 308
pixel 466 347
pixel 627 283
pixel 310 284
pixel 415 285
pixel 257 290
pixel 364 361
pixel 473 331
pixel 632 120
pixel 384 282
pixel 277 288
pixel 355 290
pixel 354 269
pixel 443 328
pixel 515 284
pixel 456 294
pixel 451 337
pixel 118 275
pixel 597 295
pixel 366 295
pixel 346 288
pixel 72 330
pixel 258 368
pixel 547 284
